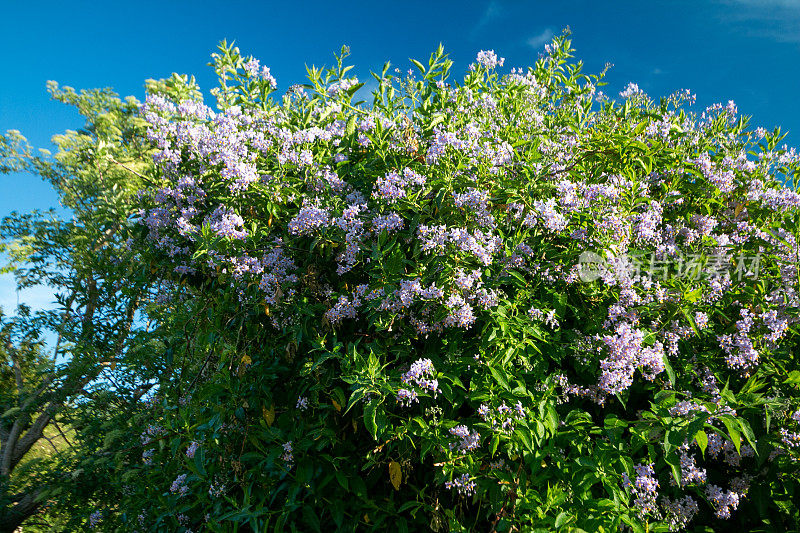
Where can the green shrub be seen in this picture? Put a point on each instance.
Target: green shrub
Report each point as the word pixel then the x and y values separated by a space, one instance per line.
pixel 510 303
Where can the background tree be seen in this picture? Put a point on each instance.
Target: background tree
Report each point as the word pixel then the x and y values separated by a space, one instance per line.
pixel 79 390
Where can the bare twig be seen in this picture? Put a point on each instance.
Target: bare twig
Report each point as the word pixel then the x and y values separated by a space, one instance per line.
pixel 145 178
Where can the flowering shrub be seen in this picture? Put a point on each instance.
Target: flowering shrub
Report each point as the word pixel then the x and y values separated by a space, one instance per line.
pixel 507 303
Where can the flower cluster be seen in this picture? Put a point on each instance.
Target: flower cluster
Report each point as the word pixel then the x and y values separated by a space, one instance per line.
pixel 644 488
pixel 287 456
pixel 723 501
pixel 179 486
pixel 502 417
pixel 679 512
pixel 462 484
pixel 393 185
pixel 488 59
pixel 626 354
pixel 469 439
pixel 421 374
pixel 192 449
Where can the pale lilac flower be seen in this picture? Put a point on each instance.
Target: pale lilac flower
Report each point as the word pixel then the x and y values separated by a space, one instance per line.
pixel 179 486
pixel 469 439
pixel 287 455
pixel 790 439
pixel 679 512
pixel 308 220
pixel 192 449
pixel 631 90
pixel 341 86
pixel 488 59
pixel 685 407
pixel 723 502
pixel 644 488
pixel 690 473
pixel 626 354
pixel 420 373
pixel 406 397
pixel 225 223
pixel 389 223
pixel 462 484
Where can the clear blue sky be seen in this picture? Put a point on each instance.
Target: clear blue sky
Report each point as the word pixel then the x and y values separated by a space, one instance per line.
pixel 744 50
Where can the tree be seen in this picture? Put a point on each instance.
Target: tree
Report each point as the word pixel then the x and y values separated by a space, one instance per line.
pixel 88 381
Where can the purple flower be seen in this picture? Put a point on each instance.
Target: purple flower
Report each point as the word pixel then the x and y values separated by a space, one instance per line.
pixel 790 439
pixel 192 449
pixel 287 455
pixel 389 223
pixel 225 223
pixel 406 397
pixel 626 354
pixel 723 502
pixel 469 439
pixel 393 186
pixel 488 59
pixel 420 373
pixel 308 220
pixel 179 486
pixel 341 86
pixel 462 484
pixel 631 90
pixel 679 512
pixel 689 471
pixel 644 488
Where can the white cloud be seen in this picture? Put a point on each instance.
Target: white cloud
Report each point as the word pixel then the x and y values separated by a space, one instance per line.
pixel 492 12
pixel 537 41
pixel 774 20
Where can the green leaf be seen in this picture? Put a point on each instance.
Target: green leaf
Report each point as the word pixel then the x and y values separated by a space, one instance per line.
pixel 668 369
pixel 732 425
pixel 419 65
pixel 350 129
pixel 500 378
pixel 674 463
pixel 562 519
pixel 747 431
pixel 495 443
pixel 794 378
pixel 369 419
pixel 552 419
pixel 693 296
pixel 702 441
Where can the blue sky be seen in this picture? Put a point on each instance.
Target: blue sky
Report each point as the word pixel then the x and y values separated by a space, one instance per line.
pixel 742 50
